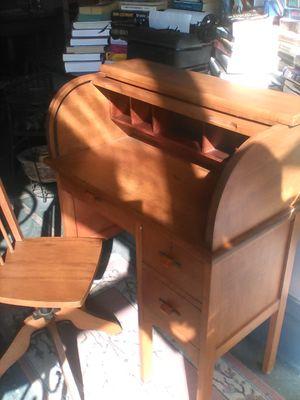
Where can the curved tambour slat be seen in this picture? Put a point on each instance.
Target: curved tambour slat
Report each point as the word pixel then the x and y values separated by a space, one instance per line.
pixel 261 179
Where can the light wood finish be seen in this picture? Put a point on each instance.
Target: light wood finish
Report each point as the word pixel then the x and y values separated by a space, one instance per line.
pixel 181 317
pixel 6 237
pixel 90 201
pixel 9 215
pixel 177 265
pixel 248 328
pixel 81 103
pixel 205 175
pixel 266 162
pixel 67 207
pixel 49 272
pixel 207 333
pixel 52 274
pixel 249 305
pixel 145 323
pixel 263 106
pixel 85 321
pixel 135 188
pixel 197 112
pixel 20 343
pixel 87 225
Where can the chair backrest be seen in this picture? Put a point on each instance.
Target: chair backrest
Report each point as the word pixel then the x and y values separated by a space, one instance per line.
pixel 9 227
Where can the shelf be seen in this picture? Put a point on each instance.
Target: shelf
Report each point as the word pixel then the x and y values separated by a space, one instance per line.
pixel 184 137
pixel 143 131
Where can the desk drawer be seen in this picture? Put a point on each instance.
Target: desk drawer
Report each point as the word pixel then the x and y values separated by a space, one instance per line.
pixel 171 311
pixel 176 264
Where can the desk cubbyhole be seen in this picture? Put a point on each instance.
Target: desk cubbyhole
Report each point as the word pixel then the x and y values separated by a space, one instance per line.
pixel 141 115
pixel 177 128
pixel 120 106
pixel 220 143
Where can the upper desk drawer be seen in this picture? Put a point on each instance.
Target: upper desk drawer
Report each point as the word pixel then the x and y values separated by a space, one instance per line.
pixel 173 262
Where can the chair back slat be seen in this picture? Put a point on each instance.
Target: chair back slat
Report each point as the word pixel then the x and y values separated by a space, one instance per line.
pixel 6 237
pixel 9 217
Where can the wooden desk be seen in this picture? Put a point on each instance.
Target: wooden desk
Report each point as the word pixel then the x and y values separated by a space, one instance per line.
pixel 205 174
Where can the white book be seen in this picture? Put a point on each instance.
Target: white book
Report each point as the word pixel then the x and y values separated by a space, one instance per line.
pixel 82 57
pixel 196 16
pixel 85 66
pixel 289 49
pixel 138 8
pixel 91 25
pixel 85 49
pixel 88 41
pixel 90 33
pixel 120 42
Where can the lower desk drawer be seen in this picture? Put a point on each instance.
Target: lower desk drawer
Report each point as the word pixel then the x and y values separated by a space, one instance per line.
pixel 170 311
pixel 173 262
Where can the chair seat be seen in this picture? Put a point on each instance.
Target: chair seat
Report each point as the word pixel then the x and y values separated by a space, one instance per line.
pixel 49 272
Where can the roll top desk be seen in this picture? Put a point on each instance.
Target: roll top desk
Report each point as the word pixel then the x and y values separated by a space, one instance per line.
pixel 206 175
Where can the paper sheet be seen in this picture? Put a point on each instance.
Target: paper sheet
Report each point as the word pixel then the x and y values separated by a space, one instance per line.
pixel 170 20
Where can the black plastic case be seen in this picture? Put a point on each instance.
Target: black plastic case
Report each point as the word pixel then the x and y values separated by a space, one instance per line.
pixel 182 50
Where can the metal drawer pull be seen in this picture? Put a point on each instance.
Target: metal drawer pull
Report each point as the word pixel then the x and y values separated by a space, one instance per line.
pixel 167 308
pixel 169 261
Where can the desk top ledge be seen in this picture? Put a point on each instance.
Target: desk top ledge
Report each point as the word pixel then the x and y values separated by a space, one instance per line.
pixel 261 105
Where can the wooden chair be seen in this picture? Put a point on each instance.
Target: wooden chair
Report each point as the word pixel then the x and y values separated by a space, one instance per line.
pixel 53 275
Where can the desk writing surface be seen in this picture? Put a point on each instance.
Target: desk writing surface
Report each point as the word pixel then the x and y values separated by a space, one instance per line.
pixel 145 181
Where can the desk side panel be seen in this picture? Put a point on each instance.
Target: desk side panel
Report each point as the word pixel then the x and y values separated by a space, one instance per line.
pixel 261 180
pixel 247 284
pixel 79 118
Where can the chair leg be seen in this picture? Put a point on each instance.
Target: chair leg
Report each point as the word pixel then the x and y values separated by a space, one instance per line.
pixel 85 321
pixel 64 363
pixel 20 343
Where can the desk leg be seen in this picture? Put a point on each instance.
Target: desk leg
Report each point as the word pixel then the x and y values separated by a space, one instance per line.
pixel 145 333
pixel 207 329
pixel 145 325
pixel 276 320
pixel 206 367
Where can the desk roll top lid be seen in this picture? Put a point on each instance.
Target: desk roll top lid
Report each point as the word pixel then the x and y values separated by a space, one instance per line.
pixel 207 161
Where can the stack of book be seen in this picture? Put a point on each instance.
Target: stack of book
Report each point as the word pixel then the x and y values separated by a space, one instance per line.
pixel 100 12
pixel 90 37
pixel 246 52
pixel 289 42
pixel 292 9
pixel 291 82
pixel 143 5
pixel 117 51
pixel 191 5
pixel 122 21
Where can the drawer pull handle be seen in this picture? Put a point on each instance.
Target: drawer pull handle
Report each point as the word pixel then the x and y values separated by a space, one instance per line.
pixel 167 308
pixel 168 261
